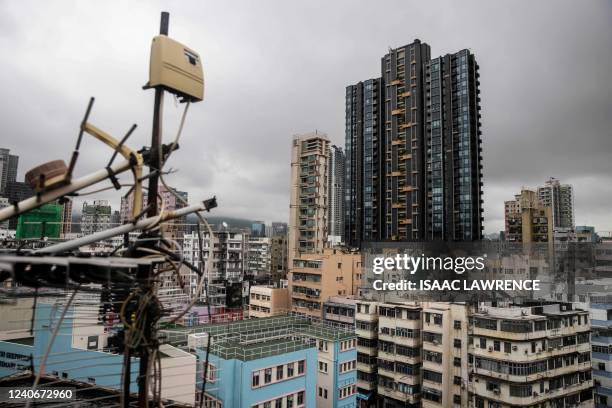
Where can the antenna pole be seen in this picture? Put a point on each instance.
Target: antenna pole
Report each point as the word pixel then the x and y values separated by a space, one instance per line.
pixel 145 275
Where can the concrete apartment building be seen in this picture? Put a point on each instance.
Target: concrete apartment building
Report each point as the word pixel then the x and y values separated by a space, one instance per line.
pixel 527 219
pixel 531 356
pixel 340 311
pixel 266 301
pixel 8 169
pixel 315 277
pixel 228 265
pixel 308 208
pixel 81 350
pixel 66 227
pixel 435 354
pixel 560 198
pixel 445 353
pixel 258 258
pixel 278 258
pixel 95 216
pixel 601 345
pixel 281 361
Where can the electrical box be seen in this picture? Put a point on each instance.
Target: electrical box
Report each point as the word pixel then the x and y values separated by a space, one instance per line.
pixel 176 68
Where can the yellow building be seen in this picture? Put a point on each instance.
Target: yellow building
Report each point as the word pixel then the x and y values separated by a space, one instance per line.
pixel 527 219
pixel 315 277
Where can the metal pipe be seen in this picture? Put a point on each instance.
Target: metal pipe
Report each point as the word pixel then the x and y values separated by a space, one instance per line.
pixel 51 195
pixel 143 224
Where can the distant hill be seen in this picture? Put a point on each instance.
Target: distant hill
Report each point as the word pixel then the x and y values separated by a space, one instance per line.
pixel 237 223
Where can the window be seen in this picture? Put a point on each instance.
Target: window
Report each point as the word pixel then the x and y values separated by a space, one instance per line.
pixel 457 324
pixel 496 345
pixel 348 366
pixel 457 361
pixel 507 347
pixel 430 337
pixel 483 343
pixel 279 372
pixel 482 323
pixel 432 395
pixel 432 376
pixel 267 376
pixel 493 386
pixel 300 398
pixel 522 390
pixel 322 367
pixel 457 343
pixel 348 344
pixel 457 380
pixel 345 392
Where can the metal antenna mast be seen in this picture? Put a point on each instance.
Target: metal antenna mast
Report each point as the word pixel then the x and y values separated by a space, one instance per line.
pixel 146 274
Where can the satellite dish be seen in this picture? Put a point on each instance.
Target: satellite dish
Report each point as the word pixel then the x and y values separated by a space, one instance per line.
pixel 224 224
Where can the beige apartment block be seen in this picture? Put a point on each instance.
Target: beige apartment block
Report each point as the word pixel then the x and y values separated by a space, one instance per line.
pixel 266 301
pixel 315 277
pixel 445 354
pixel 528 220
pixel 309 195
pixel 536 356
pixel 439 354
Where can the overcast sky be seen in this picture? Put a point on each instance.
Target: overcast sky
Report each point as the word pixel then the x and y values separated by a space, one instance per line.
pixel 276 68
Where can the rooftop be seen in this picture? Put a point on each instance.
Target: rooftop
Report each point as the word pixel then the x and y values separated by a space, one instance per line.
pixel 260 337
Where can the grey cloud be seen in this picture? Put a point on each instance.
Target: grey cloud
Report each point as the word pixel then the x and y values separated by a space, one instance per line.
pixel 276 68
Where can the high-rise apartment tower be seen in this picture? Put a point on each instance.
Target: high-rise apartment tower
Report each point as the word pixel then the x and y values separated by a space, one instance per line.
pixel 413 163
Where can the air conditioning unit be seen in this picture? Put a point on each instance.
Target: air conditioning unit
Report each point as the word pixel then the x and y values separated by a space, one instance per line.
pixel 490 348
pixel 514 348
pixel 436 342
pixel 496 391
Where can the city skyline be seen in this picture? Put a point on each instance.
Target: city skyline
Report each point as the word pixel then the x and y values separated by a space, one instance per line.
pixel 542 101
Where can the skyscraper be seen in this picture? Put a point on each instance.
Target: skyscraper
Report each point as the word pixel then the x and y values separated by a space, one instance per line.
pixel 403 207
pixel 335 188
pixel 8 169
pixel 560 198
pixel 278 228
pixel 258 229
pixel 362 171
pixel 453 147
pixel 309 195
pixel 413 164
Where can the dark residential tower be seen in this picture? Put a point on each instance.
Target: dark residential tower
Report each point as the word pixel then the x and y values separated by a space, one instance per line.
pixel 453 143
pixel 362 169
pixel 413 163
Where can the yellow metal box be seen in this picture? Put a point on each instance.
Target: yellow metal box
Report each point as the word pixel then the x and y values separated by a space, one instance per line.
pixel 176 68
